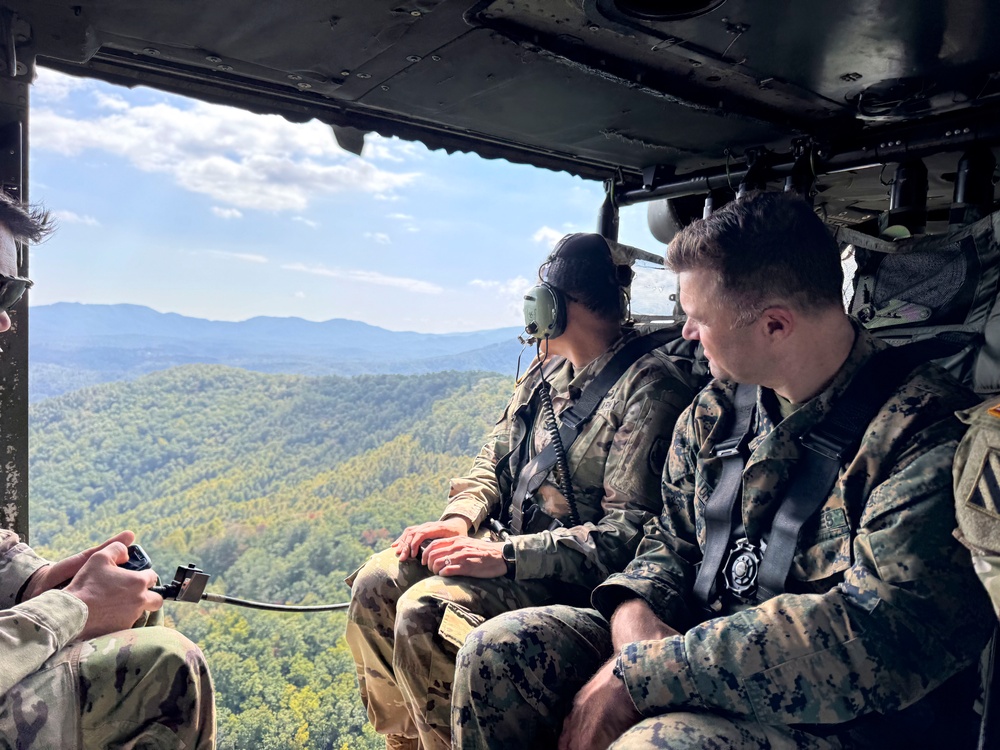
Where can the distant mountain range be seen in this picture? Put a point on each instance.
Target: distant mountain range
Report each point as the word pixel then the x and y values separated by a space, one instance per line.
pixel 74 345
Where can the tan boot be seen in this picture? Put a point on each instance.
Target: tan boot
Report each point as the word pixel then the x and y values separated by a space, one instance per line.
pixel 399 742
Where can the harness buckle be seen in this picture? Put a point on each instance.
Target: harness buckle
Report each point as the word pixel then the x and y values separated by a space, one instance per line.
pixel 730 447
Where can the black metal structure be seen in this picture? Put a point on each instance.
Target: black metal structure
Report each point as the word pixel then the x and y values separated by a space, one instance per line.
pixel 586 86
pixel 14 94
pixel 658 99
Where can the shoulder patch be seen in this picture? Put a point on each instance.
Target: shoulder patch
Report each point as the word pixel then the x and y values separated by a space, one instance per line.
pixel 658 454
pixel 994 411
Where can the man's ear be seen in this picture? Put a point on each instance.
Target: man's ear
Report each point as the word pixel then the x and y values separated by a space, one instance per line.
pixel 779 322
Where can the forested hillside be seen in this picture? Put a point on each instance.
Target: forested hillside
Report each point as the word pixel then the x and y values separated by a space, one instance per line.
pixel 278 486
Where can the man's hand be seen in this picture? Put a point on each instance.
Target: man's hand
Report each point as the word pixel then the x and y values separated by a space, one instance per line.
pixel 408 544
pixel 465 556
pixel 52 575
pixel 115 597
pixel 602 711
pixel 633 621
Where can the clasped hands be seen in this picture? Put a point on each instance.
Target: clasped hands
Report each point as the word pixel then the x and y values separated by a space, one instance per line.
pixel 450 550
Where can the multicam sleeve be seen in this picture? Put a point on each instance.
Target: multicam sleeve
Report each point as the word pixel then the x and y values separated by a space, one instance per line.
pixel 30 632
pixel 908 615
pixel 474 496
pixel 585 555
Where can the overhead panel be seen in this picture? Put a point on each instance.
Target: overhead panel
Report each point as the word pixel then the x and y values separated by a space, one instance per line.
pixel 589 86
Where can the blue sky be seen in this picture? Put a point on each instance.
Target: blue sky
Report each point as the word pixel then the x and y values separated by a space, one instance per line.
pixel 217 213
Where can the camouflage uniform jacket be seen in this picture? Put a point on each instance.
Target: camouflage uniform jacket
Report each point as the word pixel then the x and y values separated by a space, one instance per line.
pixel 881 606
pixel 615 465
pixel 34 630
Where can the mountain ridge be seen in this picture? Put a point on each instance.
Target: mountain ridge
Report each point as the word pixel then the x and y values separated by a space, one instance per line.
pixel 75 345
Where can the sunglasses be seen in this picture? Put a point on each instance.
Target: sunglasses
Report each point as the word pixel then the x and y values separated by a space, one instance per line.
pixel 11 290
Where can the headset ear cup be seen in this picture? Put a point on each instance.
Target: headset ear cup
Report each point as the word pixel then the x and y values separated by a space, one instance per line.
pixel 544 312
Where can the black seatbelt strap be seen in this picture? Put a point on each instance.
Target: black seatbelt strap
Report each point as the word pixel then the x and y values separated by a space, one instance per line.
pixel 719 508
pixel 828 445
pixel 574 418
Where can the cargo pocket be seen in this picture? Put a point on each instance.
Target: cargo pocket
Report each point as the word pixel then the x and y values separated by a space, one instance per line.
pixel 824 548
pixel 457 623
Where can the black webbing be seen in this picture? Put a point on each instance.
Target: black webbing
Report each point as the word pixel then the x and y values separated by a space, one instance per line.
pixel 719 508
pixel 826 446
pixel 574 418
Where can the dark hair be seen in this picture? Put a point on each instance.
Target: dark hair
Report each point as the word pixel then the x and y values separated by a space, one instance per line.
pixel 581 267
pixel 25 223
pixel 764 247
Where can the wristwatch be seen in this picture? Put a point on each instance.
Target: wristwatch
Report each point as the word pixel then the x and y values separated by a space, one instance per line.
pixel 508 557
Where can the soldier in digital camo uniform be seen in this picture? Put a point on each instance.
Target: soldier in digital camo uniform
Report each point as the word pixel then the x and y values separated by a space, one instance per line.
pixel 977 494
pixel 873 640
pixel 411 610
pixel 72 675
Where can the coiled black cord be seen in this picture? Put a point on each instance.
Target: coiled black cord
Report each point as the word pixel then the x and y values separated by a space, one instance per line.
pixel 562 463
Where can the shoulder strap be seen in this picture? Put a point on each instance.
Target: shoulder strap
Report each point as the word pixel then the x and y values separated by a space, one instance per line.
pixel 574 418
pixel 827 446
pixel 719 508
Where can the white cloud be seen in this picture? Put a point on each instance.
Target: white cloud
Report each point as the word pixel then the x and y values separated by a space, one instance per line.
pixel 380 237
pixel 407 218
pixel 308 222
pixel 227 213
pixel 236 157
pixel 367 277
pixel 516 285
pixel 299 295
pixel 379 148
pixel 50 86
pixel 651 290
pixel 245 257
pixel 510 293
pixel 110 101
pixel 71 217
pixel 547 236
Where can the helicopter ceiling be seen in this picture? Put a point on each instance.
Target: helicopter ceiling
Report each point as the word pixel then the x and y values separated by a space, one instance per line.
pixel 675 94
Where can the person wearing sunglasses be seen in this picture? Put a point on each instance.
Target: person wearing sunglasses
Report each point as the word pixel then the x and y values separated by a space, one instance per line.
pixel 73 672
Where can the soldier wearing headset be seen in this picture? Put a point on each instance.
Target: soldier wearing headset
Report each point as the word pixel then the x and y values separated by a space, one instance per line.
pixel 567 517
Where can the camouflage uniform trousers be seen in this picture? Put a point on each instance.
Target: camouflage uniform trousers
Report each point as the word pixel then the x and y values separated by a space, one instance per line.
pixel 404 628
pixel 147 688
pixel 517 674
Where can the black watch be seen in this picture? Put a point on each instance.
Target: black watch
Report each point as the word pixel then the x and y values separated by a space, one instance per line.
pixel 508 557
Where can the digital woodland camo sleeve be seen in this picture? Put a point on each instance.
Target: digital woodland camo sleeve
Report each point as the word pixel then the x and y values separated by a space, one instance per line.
pixel 896 627
pixel 34 630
